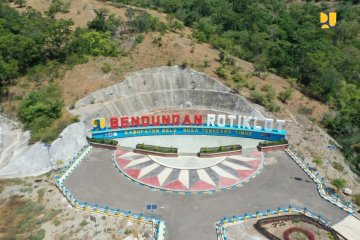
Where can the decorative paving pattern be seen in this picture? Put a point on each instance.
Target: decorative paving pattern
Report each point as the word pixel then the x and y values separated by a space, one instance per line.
pixel 233 170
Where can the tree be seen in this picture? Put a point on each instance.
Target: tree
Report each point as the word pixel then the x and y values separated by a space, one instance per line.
pixel 93 43
pixel 318 161
pixel 58 38
pixel 20 3
pixel 339 183
pixel 99 22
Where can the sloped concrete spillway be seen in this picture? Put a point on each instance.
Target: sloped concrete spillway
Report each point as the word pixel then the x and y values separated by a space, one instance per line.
pixel 163 89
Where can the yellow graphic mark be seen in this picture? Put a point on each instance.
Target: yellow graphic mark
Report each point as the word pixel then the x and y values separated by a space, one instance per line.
pixel 99 123
pixel 327 20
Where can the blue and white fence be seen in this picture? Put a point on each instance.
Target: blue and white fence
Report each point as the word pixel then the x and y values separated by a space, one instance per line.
pixel 321 187
pixel 119 213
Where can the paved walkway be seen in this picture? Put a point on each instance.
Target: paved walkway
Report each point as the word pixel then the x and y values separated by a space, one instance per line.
pixel 195 174
pixel 192 217
pixel 349 228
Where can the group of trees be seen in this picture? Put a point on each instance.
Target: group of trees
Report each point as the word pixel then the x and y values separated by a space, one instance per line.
pixel 29 39
pixel 36 45
pixel 287 40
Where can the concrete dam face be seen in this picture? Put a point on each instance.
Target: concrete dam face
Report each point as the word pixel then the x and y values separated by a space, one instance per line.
pixel 168 89
pixel 163 89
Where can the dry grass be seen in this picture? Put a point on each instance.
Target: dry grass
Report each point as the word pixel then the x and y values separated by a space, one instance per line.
pixel 21 218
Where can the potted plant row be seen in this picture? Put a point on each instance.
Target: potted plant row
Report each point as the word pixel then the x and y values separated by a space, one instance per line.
pixel 220 151
pixel 103 143
pixel 156 150
pixel 267 146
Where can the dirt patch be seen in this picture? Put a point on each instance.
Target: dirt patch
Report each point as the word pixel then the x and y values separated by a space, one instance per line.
pixel 35 207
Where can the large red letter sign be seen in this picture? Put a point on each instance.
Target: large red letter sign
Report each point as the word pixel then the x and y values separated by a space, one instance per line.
pixel 114 123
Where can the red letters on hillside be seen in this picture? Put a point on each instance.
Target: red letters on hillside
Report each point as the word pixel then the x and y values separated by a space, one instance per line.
pixel 155 120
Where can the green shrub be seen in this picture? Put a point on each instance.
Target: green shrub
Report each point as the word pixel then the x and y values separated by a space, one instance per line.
pixel 75 59
pixel 38 235
pixel 239 79
pixel 57 222
pixel 305 110
pixel 144 22
pixel 106 68
pixel 220 149
pixel 39 110
pixel 20 3
pixel 286 95
pixel 139 39
pixel 272 107
pixel 176 25
pixel 221 72
pixel 93 43
pixel 41 194
pixel 84 223
pixel 206 63
pixel 156 148
pixel 338 166
pixel 272 143
pixel 128 232
pixel 259 98
pixel 184 64
pixel 339 183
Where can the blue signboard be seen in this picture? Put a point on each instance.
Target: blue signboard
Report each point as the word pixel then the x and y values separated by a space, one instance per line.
pixel 151 207
pixel 109 133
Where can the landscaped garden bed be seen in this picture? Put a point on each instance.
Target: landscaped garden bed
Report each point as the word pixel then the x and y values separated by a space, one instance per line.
pixel 156 150
pixel 220 151
pixel 103 143
pixel 268 146
pixel 294 227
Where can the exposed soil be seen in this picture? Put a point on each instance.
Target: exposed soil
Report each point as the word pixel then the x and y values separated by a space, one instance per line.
pixel 30 204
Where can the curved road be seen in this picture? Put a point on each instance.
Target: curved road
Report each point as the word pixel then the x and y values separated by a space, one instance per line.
pixel 192 217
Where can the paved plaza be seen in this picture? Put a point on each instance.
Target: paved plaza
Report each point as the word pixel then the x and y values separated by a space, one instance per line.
pixel 190 173
pixel 97 181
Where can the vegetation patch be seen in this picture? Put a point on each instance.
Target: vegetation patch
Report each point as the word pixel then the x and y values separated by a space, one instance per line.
pixel 220 149
pixel 273 143
pixel 104 141
pixel 22 218
pixel 153 148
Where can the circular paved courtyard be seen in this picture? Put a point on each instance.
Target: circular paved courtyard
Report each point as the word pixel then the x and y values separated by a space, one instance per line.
pixel 189 173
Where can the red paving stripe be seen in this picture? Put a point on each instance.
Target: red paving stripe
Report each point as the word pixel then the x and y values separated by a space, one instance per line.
pixel 120 152
pixel 257 154
pixel 245 173
pixel 201 185
pixel 122 162
pixel 153 180
pixel 134 173
pixel 254 164
pixel 176 185
pixel 224 182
